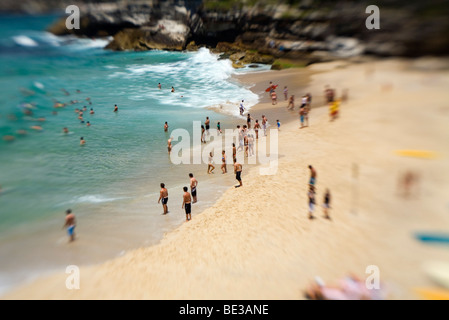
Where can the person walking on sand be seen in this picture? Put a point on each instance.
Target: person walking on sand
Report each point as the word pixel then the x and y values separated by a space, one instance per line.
pixel 210 166
pixel 219 128
pixel 169 146
pixel 327 204
pixel 242 108
pixel 193 185
pixel 256 129
pixel 278 124
pixel 238 172
pixel 166 126
pixel 70 224
pixel 311 196
pixel 291 103
pixel 312 180
pixel 285 93
pixel 164 197
pixel 223 162
pixel 234 152
pixel 186 204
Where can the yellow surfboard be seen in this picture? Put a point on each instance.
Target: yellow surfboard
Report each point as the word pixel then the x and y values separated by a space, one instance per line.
pixel 433 293
pixel 425 154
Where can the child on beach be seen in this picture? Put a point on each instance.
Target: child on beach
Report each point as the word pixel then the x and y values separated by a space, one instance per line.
pixel 278 124
pixel 218 127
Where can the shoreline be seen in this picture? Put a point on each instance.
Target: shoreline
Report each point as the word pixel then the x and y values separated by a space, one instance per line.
pixel 264 246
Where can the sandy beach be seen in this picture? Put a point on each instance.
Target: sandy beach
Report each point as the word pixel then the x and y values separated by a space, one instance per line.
pixel 256 242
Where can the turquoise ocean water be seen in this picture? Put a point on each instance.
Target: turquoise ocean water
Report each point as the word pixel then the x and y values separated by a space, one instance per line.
pixel 112 182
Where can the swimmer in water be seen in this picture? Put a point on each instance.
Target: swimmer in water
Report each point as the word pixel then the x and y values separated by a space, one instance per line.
pixel 115 108
pixel 82 141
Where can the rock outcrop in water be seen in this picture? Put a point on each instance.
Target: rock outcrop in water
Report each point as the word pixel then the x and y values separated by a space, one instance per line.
pixel 309 30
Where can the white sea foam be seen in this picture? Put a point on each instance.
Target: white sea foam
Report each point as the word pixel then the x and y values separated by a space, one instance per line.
pixel 93 199
pixel 25 41
pixel 200 81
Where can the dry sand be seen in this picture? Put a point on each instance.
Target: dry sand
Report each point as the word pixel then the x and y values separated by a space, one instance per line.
pixel 257 242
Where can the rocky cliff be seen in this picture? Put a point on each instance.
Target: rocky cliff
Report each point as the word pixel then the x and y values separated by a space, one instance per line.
pixel 254 31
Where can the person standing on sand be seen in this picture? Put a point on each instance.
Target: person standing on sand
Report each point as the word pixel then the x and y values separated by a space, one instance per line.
pixel 207 125
pixel 248 120
pixel 186 203
pixel 193 185
pixel 219 128
pixel 210 166
pixel 251 144
pixel 302 112
pixel 169 146
pixel 312 180
pixel 240 137
pixel 274 98
pixel 70 224
pixel 311 196
pixel 278 124
pixel 291 103
pixel 238 172
pixel 234 152
pixel 285 93
pixel 223 162
pixel 203 138
pixel 327 204
pixel 256 129
pixel 264 125
pixel 164 197
pixel 166 126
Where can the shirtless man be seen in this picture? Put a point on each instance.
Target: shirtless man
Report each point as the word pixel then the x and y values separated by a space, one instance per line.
pixel 186 203
pixel 193 184
pixel 234 152
pixel 238 172
pixel 312 176
pixel 70 224
pixel 207 125
pixel 164 197
pixel 169 144
pixel 115 108
pixel 82 141
pixel 166 126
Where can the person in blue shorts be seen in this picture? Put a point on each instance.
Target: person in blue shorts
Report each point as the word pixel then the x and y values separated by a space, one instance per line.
pixel 70 224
